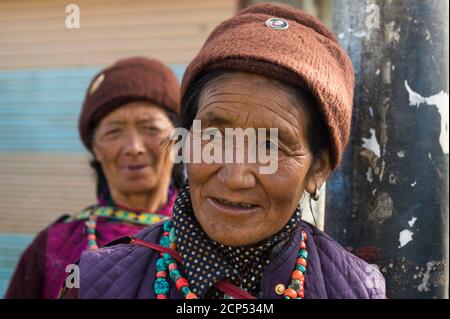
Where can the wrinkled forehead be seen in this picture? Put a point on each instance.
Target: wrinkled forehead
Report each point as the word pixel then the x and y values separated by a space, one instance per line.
pixel 135 112
pixel 136 107
pixel 256 96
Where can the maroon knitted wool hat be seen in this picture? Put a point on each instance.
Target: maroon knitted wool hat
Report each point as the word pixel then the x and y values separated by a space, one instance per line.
pixel 128 80
pixel 288 45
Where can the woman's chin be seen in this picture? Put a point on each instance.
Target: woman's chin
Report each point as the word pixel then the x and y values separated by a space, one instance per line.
pixel 137 187
pixel 230 234
pixel 232 241
pixel 141 180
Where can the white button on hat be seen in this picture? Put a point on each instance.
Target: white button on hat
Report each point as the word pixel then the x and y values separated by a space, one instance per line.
pixel 277 23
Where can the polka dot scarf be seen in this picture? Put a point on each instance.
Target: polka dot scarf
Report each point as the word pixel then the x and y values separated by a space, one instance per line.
pixel 206 262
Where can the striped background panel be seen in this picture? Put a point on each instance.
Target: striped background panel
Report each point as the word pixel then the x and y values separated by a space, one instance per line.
pixel 33 32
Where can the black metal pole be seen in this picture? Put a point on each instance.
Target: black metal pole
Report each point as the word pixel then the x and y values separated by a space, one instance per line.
pixel 389 200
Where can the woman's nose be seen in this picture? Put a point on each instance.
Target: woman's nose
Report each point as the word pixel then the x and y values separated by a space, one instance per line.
pixel 135 145
pixel 237 176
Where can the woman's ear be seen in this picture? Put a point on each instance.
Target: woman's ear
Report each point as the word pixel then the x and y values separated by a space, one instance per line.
pixel 319 172
pixel 96 152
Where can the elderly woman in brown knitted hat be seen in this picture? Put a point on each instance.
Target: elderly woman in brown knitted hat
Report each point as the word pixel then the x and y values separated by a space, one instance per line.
pixel 129 108
pixel 236 229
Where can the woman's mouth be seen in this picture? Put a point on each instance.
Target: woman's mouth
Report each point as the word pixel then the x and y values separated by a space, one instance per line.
pixel 135 169
pixel 232 206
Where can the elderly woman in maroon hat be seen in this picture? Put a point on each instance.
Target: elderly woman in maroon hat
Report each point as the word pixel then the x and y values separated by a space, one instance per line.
pixel 236 229
pixel 129 108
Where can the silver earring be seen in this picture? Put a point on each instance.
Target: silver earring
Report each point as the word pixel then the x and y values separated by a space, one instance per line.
pixel 316 194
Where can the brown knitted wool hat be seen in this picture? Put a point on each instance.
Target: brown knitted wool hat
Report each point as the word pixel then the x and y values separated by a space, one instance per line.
pixel 288 45
pixel 128 80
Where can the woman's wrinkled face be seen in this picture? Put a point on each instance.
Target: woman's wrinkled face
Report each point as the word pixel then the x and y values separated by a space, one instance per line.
pixel 233 202
pixel 127 144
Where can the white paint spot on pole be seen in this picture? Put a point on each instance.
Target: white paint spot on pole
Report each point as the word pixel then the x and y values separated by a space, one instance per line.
pixel 401 153
pixel 405 237
pixel 371 143
pixel 360 34
pixel 412 221
pixel 413 183
pixel 439 100
pixel 369 175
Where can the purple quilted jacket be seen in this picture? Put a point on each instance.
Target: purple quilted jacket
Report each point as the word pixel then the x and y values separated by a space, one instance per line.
pixel 128 271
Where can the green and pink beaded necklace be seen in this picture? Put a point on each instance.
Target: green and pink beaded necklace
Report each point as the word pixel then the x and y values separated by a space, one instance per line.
pixel 113 213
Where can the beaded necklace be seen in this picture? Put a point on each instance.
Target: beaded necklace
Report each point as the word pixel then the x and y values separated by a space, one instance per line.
pixel 93 212
pixel 166 266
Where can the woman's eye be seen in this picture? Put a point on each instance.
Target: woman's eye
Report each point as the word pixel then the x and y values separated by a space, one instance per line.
pixel 150 128
pixel 112 132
